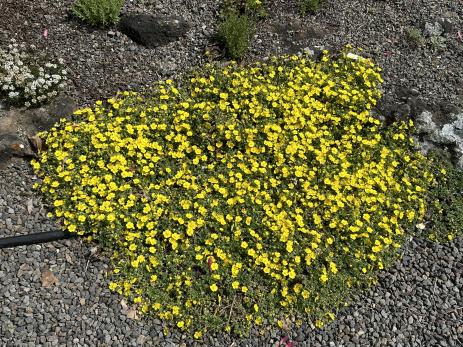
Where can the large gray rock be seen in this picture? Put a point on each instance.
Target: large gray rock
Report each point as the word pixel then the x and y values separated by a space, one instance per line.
pixel 433 29
pixel 153 31
pixel 31 121
pixel 17 125
pixel 44 118
pixel 438 135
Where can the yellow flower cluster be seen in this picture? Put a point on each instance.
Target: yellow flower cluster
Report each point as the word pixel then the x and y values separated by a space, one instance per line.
pixel 243 196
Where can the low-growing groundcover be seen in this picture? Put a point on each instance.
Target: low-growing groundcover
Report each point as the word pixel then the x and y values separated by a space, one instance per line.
pixel 247 195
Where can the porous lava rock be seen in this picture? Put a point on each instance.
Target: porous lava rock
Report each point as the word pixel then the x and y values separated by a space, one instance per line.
pixel 153 31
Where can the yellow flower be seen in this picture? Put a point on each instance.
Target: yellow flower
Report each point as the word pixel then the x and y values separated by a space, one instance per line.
pixel 214 287
pixel 333 268
pixel 289 246
pixel 324 275
pixel 58 203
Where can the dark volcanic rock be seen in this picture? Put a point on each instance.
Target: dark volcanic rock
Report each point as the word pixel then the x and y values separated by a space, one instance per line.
pixel 449 22
pixel 153 31
pixel 16 125
pixel 12 146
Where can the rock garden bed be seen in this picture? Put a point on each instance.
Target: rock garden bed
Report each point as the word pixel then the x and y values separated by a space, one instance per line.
pixel 57 294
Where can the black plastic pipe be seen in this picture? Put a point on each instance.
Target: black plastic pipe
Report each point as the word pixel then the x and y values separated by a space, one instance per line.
pixel 33 239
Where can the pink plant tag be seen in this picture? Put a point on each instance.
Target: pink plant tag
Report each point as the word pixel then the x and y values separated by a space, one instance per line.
pixel 45 33
pixel 286 342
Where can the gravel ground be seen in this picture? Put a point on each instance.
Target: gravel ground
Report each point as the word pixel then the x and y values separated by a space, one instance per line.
pixel 417 303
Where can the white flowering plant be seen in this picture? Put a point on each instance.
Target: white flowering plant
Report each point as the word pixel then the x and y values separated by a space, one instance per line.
pixel 26 80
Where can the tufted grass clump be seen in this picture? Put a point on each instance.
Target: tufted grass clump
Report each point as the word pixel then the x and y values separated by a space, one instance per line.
pixel 98 12
pixel 236 25
pixel 309 6
pixel 234 33
pixel 249 196
pixel 414 37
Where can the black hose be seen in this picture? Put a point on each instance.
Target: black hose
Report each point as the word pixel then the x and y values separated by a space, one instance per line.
pixel 33 239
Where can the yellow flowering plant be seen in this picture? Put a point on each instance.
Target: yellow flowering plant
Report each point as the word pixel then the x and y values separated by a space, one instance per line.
pixel 247 195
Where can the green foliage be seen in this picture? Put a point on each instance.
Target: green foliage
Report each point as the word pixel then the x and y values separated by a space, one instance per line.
pixel 253 8
pixel 249 195
pixel 98 12
pixel 256 8
pixel 445 202
pixel 309 6
pixel 234 33
pixel 438 43
pixel 238 17
pixel 414 37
